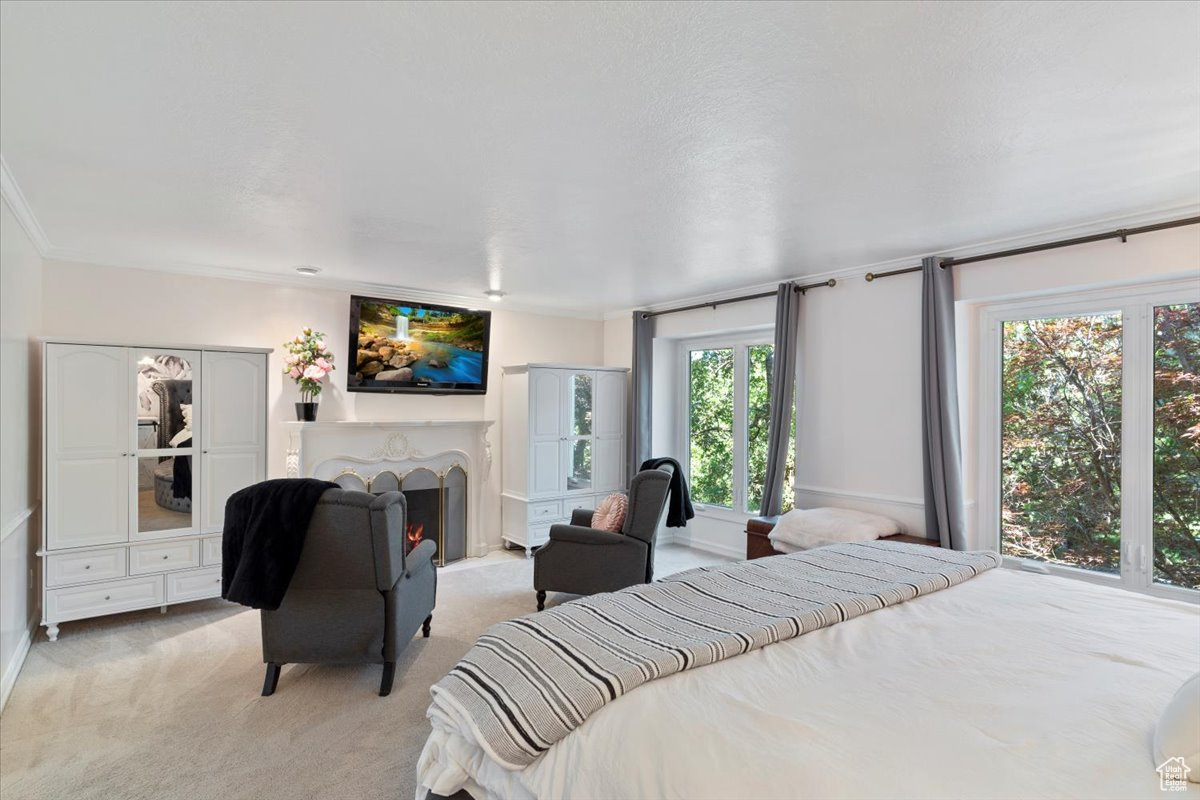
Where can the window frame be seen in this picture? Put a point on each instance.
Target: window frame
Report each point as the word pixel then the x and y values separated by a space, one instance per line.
pixel 1135 303
pixel 740 342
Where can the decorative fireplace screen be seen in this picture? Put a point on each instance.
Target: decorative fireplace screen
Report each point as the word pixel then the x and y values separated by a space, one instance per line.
pixel 436 502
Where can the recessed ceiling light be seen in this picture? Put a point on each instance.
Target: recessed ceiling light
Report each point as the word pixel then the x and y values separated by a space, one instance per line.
pixel 307 269
pixel 495 295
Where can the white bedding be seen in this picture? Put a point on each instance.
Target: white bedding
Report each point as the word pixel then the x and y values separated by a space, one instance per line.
pixel 1010 685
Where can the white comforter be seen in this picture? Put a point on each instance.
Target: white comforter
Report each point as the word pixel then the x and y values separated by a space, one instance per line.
pixel 1010 685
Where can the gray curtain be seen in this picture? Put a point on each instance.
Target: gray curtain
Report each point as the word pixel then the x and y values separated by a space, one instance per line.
pixel 640 408
pixel 944 511
pixel 783 384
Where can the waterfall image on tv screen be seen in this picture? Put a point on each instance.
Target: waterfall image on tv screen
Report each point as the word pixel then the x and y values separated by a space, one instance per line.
pixel 399 347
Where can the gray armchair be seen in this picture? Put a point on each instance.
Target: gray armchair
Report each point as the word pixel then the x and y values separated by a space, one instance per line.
pixel 582 560
pixel 355 596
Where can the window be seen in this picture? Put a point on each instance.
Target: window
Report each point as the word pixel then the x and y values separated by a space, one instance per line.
pixel 710 422
pixel 759 380
pixel 1093 464
pixel 1061 441
pixel 728 391
pixel 1176 534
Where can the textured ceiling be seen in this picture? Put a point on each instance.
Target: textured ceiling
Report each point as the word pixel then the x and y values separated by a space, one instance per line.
pixel 588 156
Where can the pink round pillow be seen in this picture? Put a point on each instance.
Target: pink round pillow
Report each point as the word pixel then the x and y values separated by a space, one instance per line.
pixel 610 514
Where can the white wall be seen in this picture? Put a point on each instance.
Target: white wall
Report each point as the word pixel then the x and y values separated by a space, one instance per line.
pixel 20 449
pixel 859 424
pixel 107 303
pixel 618 342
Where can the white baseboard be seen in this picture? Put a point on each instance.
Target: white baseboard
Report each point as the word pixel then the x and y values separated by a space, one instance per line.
pixel 13 668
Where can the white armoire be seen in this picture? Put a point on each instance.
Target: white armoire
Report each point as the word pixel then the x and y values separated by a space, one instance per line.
pixel 141 448
pixel 563 436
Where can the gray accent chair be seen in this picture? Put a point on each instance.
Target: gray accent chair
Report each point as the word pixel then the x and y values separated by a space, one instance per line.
pixel 355 596
pixel 582 560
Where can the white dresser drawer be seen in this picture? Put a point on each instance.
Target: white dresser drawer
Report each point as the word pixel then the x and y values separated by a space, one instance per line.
pixel 196 584
pixel 210 551
pixel 545 511
pixel 95 565
pixel 147 558
pixel 589 502
pixel 538 535
pixel 78 602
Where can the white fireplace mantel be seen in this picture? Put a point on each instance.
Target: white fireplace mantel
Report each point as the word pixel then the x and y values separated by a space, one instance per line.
pixel 327 450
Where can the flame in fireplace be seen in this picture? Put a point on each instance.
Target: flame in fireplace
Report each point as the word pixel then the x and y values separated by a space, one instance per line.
pixel 414 533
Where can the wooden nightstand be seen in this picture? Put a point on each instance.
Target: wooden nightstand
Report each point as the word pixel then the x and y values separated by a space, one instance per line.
pixel 759 546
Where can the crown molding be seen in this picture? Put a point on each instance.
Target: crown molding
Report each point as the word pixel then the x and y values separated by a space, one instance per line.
pixel 1131 220
pixel 21 210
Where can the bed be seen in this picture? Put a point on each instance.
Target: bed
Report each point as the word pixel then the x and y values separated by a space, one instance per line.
pixel 1012 684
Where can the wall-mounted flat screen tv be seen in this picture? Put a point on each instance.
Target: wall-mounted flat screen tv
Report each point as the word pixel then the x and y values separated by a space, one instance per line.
pixel 400 346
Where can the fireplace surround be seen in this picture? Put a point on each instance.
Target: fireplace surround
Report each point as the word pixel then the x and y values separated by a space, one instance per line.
pixel 439 465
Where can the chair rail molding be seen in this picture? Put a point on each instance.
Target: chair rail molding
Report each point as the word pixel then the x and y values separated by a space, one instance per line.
pixel 911 502
pixel 14 523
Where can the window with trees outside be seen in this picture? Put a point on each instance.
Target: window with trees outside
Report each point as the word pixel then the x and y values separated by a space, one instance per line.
pixel 728 393
pixel 1099 436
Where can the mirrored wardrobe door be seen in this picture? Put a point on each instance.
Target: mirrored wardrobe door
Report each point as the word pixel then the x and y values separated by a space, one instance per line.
pixel 579 465
pixel 165 391
pixel 581 403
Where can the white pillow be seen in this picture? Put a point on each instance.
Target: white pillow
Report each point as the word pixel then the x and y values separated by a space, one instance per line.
pixel 814 527
pixel 1178 731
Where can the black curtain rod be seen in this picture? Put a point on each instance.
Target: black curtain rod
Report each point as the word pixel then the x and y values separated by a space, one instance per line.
pixel 1121 233
pixel 715 303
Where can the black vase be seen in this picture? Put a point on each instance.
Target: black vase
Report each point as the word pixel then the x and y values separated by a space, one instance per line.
pixel 306 412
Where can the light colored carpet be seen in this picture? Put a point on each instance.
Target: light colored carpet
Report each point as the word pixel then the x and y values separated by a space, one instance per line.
pixel 145 705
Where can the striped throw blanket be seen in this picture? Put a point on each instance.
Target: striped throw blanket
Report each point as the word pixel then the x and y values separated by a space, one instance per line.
pixel 529 682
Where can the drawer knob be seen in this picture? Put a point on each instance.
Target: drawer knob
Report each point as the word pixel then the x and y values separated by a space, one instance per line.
pixel 108 597
pixel 87 566
pixel 165 558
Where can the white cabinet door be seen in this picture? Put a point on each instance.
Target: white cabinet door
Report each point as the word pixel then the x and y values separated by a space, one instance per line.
pixel 89 439
pixel 233 429
pixel 235 406
pixel 224 474
pixel 545 404
pixel 545 475
pixel 611 401
pixel 545 432
pixel 608 464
